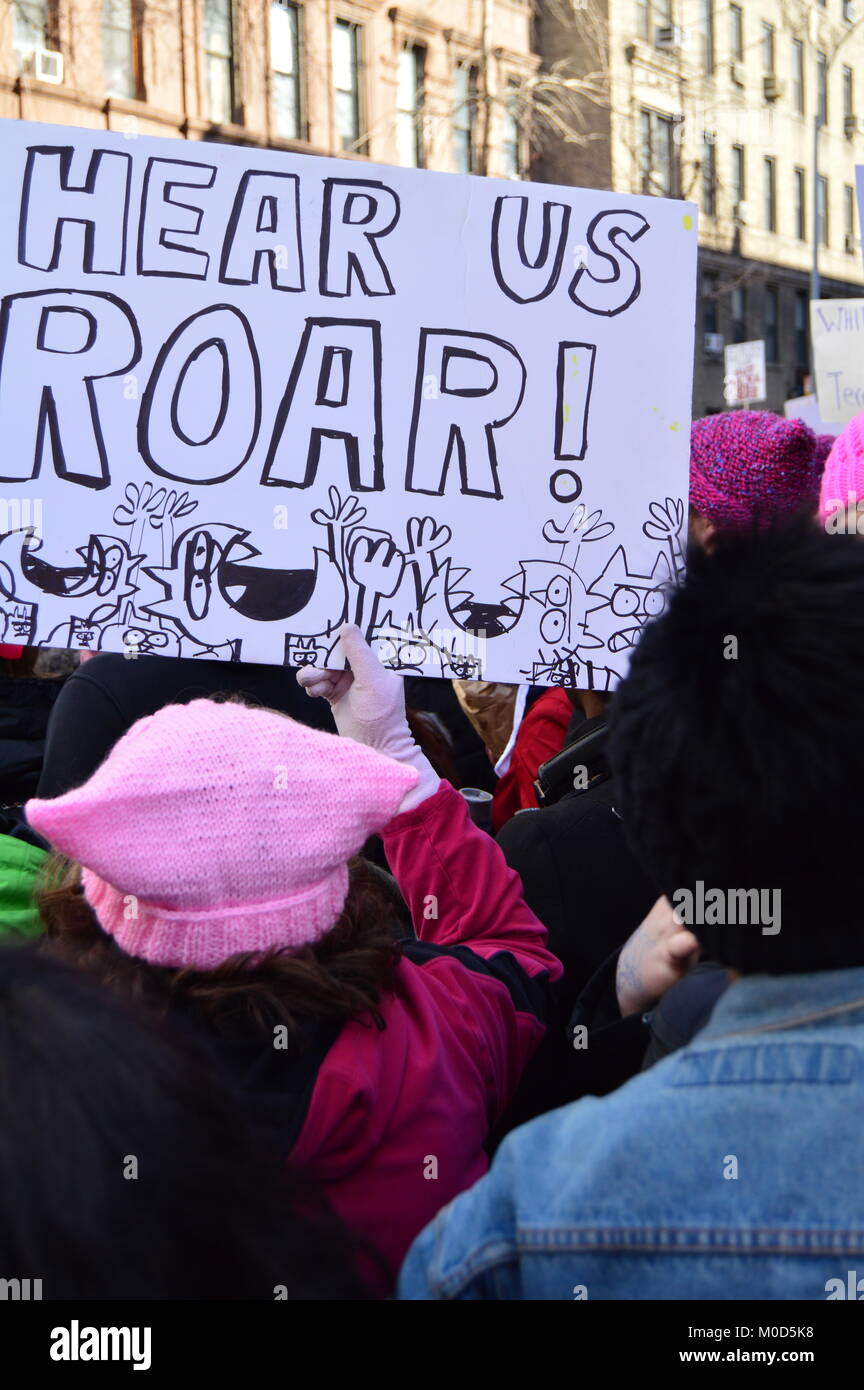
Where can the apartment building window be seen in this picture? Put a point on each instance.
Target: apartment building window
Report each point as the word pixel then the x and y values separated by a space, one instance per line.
pixel 709 174
pixel 739 175
pixel 285 69
pixel 409 106
pixel 772 315
pixel 848 93
pixel 464 116
pixel 736 33
pixel 770 176
pixel 32 26
pixel 218 35
pixel 657 155
pixel 849 219
pixel 822 87
pixel 120 49
pixel 652 15
pixel 511 136
pixel 710 295
pixel 822 209
pixel 739 314
pixel 801 313
pixel 798 75
pixel 768 49
pixel 706 26
pixel 346 83
pixel 800 205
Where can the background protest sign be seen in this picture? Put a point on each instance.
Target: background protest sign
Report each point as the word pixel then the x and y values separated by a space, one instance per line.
pixel 744 381
pixel 245 395
pixel 837 333
pixel 806 408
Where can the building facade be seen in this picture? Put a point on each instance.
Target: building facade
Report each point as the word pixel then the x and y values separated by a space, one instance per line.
pixel 436 86
pixel 719 103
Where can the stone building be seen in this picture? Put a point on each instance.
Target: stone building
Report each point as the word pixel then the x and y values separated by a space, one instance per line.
pixel 717 103
pixel 436 85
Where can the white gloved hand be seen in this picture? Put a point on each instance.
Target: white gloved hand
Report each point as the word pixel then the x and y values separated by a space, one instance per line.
pixel 368 704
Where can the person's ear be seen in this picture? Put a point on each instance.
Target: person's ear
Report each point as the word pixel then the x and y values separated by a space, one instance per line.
pixel 702 532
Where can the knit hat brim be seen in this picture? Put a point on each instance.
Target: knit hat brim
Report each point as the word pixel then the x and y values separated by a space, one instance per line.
pixel 204 940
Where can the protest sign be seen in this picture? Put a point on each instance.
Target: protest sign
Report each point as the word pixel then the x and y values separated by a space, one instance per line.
pixel 744 365
pixel 806 408
pixel 247 395
pixel 837 334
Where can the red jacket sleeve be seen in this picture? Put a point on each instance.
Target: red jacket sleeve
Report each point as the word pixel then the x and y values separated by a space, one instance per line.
pixel 458 885
pixel 541 736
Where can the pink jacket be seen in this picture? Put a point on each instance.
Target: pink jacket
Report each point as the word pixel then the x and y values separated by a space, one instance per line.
pixel 397 1120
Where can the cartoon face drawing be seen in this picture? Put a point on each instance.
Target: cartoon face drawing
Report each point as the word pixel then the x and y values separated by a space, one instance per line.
pixel 212 582
pixel 405 649
pixel 303 651
pixel 18 622
pixel 555 601
pixel 630 600
pixel 462 667
pixel 107 568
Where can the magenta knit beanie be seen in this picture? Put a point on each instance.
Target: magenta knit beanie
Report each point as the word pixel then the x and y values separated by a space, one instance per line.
pixel 751 466
pixel 844 470
pixel 215 828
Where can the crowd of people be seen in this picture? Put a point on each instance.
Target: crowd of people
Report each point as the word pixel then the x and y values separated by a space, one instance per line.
pixel 280 1019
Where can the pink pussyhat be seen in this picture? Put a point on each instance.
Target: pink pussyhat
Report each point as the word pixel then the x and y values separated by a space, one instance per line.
pixel 843 479
pixel 215 828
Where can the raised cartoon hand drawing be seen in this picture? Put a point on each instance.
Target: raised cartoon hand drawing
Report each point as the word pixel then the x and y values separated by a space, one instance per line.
pixel 145 506
pixel 339 520
pixel 425 537
pixel 377 565
pixel 163 518
pixel 667 524
pixel 580 526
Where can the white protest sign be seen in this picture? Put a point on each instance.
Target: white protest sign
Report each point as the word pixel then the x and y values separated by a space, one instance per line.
pixel 806 408
pixel 837 335
pixel 245 395
pixel 744 365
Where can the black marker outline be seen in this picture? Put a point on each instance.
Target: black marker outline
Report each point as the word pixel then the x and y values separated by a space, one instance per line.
pixel 167 200
pixel 605 255
pixel 48 406
pixel 317 433
pixel 565 473
pixel 269 252
pixel 354 265
pixel 563 349
pixel 168 346
pixel 545 242
pixel 89 186
pixel 455 435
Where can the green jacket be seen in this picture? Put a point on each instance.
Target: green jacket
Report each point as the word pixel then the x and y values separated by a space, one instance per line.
pixel 20 863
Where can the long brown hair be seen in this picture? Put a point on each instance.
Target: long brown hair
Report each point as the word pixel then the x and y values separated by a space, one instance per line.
pixel 342 976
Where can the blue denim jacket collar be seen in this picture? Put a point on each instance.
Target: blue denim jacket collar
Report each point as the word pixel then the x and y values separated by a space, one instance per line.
pixel 769 1003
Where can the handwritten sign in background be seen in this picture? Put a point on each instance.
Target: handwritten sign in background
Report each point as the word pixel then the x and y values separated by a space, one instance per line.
pixel 246 395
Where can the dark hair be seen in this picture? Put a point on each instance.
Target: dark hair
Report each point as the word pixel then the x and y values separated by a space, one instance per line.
pixel 737 742
pixel 340 977
pixel 127 1172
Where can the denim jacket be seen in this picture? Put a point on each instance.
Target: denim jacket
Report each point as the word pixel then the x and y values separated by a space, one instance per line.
pixel 734 1169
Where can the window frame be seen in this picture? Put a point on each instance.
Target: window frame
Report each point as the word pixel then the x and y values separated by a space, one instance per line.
pixel 419 54
pixel 769 174
pixel 358 36
pixel 136 71
pixel 469 104
pixel 736 33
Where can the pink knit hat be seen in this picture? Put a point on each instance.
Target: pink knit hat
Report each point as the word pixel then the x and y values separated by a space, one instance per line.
pixel 215 828
pixel 844 470
pixel 751 466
